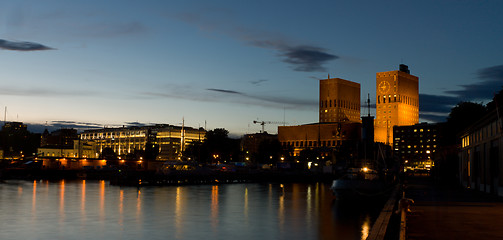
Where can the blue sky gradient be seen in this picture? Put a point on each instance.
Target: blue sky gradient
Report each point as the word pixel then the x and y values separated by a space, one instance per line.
pixel 228 63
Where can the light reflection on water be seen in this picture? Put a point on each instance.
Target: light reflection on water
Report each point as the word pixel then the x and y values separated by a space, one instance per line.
pixel 96 210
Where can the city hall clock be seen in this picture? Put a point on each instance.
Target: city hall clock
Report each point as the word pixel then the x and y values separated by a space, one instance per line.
pixel 383 87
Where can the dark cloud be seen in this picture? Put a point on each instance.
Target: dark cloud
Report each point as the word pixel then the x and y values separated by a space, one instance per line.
pixel 55 125
pixel 268 100
pixel 478 91
pixel 491 73
pixel 432 117
pixel 135 124
pixel 22 46
pixel 437 107
pixel 224 91
pixel 307 59
pixel 437 103
pixel 74 124
pixel 42 92
pixel 493 82
pixel 236 97
pixel 288 102
pixel 303 58
pixel 258 82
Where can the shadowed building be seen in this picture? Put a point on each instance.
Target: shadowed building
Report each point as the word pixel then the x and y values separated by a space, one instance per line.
pixel 318 135
pixel 339 100
pixel 481 154
pixel 397 102
pixel 17 142
pixel 61 138
pixel 250 143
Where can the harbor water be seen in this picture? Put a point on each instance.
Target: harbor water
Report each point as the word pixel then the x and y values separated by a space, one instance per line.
pixel 96 210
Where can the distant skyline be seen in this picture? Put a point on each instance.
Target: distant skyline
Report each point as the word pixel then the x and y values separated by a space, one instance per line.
pixel 228 63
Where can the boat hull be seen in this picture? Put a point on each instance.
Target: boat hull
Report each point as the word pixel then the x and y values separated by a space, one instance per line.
pixel 359 188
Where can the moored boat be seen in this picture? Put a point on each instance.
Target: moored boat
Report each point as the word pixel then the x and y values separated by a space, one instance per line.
pixel 361 183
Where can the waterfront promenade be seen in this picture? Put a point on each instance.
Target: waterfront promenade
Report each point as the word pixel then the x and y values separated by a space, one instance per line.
pixel 449 212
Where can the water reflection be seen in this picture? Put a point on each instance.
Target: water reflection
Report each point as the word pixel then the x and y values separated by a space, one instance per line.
pixel 62 214
pixel 96 210
pixel 121 207
pixel 179 212
pixel 366 227
pixel 214 208
pixel 281 210
pixel 34 201
pixel 102 200
pixel 245 207
pixel 83 215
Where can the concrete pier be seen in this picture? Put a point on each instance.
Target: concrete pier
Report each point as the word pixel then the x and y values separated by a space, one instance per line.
pixel 451 212
pixel 379 230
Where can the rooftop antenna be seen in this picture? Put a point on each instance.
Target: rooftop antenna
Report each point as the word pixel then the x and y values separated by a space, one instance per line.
pixel 284 113
pixel 5 115
pixel 368 104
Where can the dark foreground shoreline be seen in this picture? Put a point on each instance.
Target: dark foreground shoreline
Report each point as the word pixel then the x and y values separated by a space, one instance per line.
pixel 128 177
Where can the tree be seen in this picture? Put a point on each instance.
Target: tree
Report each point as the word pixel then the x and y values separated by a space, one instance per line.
pixel 269 151
pixel 461 116
pixel 108 154
pixel 217 147
pixel 18 142
pixel 151 151
pixel 497 101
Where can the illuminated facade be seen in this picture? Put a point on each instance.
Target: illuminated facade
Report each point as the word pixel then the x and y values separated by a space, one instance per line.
pixel 339 119
pixel 339 100
pixel 397 102
pixel 414 145
pixel 79 149
pixel 171 140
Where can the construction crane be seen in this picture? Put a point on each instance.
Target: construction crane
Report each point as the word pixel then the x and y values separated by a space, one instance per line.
pixel 263 123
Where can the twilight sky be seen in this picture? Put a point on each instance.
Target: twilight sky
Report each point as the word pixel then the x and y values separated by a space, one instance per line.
pixel 227 63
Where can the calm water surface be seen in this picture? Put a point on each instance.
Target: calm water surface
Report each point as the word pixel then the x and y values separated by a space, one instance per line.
pixel 97 210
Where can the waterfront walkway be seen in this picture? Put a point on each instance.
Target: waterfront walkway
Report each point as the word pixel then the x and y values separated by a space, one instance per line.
pixel 450 212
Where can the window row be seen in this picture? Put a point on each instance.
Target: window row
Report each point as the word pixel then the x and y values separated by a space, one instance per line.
pixel 397 98
pixel 340 103
pixel 328 143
